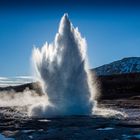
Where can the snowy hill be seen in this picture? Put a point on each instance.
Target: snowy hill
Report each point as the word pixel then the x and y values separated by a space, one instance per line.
pixel 125 65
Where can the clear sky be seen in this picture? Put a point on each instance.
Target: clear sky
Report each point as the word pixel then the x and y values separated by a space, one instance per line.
pixel 112 31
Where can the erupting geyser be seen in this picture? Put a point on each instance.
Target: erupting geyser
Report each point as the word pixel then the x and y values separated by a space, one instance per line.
pixel 62 67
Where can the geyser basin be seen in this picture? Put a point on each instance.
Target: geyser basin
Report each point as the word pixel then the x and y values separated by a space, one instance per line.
pixel 63 71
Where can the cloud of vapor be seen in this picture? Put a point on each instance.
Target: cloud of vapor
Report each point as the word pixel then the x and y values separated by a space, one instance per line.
pixel 62 68
pixel 69 87
pixel 20 99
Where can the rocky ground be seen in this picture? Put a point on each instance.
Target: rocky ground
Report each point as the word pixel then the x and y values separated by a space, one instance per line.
pixel 118 93
pixel 14 125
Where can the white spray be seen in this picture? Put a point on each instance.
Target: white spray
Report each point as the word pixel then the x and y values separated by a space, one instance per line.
pixel 63 70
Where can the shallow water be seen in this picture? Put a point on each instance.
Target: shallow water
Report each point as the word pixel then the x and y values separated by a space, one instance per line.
pixel 2 137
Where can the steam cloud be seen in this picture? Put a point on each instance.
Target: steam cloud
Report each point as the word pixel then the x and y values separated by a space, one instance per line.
pixel 20 99
pixel 63 70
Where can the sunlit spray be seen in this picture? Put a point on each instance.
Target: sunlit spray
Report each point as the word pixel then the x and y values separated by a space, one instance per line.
pixel 63 71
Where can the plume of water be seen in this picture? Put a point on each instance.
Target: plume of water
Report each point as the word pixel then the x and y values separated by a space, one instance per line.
pixel 63 71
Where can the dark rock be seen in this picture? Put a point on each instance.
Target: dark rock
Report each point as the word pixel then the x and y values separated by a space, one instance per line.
pixel 122 86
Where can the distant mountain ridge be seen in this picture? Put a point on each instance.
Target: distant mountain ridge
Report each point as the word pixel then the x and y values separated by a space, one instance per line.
pixel 14 81
pixel 125 65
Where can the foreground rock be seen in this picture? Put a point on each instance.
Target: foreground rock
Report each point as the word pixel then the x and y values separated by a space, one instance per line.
pixel 67 127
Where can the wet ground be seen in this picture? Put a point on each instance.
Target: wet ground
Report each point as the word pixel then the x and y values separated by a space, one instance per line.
pixel 15 126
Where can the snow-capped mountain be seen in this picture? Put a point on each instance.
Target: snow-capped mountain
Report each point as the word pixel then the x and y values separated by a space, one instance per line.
pixel 125 65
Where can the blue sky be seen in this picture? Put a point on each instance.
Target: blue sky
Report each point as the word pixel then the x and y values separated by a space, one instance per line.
pixel 112 32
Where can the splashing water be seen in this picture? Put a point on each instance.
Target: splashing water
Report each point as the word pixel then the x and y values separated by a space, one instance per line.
pixel 63 70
